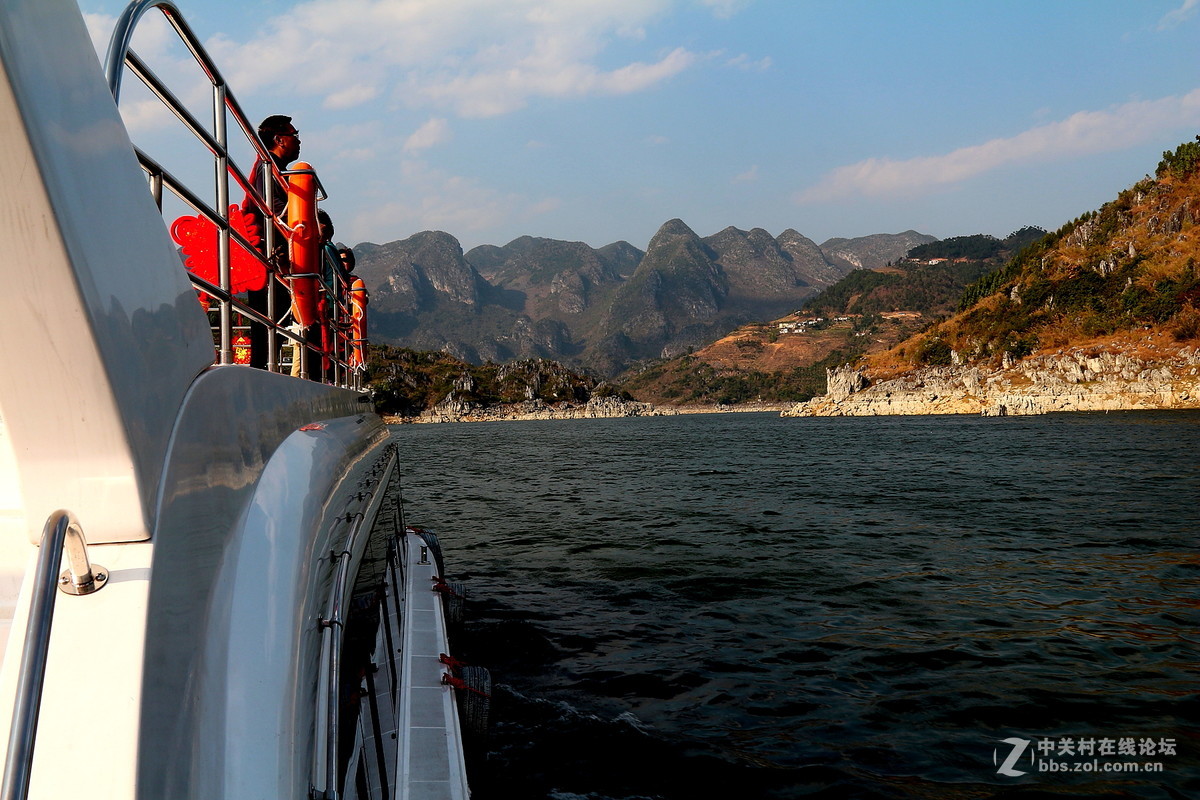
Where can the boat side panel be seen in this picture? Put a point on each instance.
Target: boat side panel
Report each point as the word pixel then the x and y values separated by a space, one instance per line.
pixel 103 326
pixel 241 576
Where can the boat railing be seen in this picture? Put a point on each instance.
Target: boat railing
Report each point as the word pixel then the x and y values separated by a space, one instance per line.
pixel 61 532
pixel 328 710
pixel 227 112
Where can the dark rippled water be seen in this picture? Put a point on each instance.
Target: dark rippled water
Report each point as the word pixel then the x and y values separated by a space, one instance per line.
pixel 744 606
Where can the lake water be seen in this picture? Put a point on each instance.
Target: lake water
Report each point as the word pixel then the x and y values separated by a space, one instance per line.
pixel 744 606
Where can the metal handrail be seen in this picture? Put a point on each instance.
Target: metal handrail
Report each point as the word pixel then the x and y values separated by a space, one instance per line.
pixel 328 706
pixel 61 532
pixel 119 58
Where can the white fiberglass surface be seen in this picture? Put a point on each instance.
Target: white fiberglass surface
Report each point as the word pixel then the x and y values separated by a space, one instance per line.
pixel 102 320
pixel 14 545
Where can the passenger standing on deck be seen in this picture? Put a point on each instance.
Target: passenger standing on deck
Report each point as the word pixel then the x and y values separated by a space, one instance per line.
pixel 347 257
pixel 346 270
pixel 333 270
pixel 320 367
pixel 282 141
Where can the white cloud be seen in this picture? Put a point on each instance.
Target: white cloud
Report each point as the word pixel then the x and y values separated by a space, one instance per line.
pixel 494 92
pixel 425 198
pixel 157 44
pixel 744 63
pixel 152 38
pixel 356 154
pixel 351 142
pixel 474 57
pixel 1083 133
pixel 749 176
pixel 432 133
pixel 543 207
pixel 142 116
pixel 99 28
pixel 351 96
pixel 724 9
pixel 1178 15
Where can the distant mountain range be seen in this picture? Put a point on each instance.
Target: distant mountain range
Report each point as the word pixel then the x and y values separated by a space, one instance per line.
pixel 603 308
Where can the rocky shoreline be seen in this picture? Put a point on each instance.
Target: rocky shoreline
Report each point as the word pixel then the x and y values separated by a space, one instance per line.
pixel 454 410
pixel 1137 376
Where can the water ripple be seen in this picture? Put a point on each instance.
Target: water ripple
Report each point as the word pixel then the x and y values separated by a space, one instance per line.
pixel 821 608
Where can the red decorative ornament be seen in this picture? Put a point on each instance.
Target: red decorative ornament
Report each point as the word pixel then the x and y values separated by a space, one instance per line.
pixel 241 349
pixel 197 239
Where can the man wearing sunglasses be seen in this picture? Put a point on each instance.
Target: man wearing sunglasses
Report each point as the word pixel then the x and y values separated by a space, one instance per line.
pixel 282 141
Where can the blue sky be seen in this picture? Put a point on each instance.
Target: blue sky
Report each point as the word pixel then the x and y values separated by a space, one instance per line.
pixel 598 120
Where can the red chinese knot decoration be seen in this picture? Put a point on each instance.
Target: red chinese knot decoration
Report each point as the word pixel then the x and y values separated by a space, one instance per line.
pixel 197 239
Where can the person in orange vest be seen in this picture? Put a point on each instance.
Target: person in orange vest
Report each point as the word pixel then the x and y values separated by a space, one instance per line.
pixel 282 142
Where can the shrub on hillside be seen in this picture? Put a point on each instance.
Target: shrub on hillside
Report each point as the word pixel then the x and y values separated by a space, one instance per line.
pixel 1181 163
pixel 1185 326
pixel 933 351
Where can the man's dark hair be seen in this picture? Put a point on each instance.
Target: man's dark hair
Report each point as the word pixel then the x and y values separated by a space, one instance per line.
pixel 272 126
pixel 348 256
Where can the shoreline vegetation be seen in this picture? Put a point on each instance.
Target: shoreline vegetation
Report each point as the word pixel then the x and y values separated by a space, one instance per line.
pixel 606 408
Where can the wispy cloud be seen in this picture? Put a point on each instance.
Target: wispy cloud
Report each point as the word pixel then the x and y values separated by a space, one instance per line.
pixel 1178 15
pixel 749 176
pixel 724 9
pixel 746 64
pixel 432 133
pixel 475 58
pixel 495 92
pixel 426 198
pixel 1081 134
pixel 351 96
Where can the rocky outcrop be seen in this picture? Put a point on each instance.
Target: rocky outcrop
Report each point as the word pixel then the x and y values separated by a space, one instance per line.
pixel 407 275
pixel 453 409
pixel 757 267
pixel 571 273
pixel 809 262
pixel 1079 379
pixel 841 382
pixel 677 286
pixel 872 252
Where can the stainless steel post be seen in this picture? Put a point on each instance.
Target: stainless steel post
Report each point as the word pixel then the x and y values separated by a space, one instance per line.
pixel 222 189
pixel 32 672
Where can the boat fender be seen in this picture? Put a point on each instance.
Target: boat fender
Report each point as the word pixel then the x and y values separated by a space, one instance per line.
pixel 474 699
pixel 454 598
pixel 304 243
